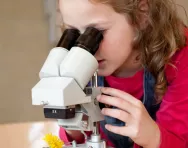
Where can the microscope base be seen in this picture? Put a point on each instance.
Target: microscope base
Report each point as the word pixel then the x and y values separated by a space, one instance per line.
pixel 94 142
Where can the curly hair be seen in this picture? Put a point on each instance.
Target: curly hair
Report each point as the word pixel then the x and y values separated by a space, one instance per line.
pixel 163 35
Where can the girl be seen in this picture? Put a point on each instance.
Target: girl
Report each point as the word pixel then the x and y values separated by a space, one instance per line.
pixel 143 59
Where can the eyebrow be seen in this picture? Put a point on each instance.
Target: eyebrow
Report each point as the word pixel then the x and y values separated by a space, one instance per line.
pixel 89 25
pixel 67 25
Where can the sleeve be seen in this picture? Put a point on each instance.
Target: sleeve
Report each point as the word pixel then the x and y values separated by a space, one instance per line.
pixel 63 136
pixel 66 139
pixel 172 117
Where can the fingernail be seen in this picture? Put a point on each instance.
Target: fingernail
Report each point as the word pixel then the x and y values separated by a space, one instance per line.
pixel 102 89
pixel 98 97
pixel 102 111
pixel 107 126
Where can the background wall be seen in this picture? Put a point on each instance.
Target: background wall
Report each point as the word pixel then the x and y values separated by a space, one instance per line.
pixel 183 6
pixel 24 45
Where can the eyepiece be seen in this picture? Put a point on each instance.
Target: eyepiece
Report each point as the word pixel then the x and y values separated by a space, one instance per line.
pixel 68 38
pixel 90 40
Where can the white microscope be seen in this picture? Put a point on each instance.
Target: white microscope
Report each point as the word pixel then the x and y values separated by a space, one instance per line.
pixel 63 90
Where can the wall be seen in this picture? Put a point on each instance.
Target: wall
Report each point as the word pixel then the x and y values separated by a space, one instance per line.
pixel 183 9
pixel 24 46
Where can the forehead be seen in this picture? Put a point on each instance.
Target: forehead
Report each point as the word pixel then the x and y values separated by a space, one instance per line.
pixel 78 12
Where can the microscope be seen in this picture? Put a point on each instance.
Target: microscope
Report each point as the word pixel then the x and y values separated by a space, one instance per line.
pixel 68 85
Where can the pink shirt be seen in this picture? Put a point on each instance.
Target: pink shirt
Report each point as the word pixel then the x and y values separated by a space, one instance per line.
pixel 172 117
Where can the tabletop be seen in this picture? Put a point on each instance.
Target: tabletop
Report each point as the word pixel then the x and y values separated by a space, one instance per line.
pixel 26 135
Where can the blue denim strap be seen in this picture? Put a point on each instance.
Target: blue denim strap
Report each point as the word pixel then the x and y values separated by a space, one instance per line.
pixel 149 84
pixel 149 99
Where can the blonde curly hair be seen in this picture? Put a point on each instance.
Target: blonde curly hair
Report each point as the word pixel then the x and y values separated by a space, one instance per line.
pixel 163 35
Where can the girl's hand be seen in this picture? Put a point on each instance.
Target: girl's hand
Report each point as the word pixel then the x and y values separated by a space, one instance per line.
pixel 140 127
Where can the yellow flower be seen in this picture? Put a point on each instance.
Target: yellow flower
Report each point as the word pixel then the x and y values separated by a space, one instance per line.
pixel 53 141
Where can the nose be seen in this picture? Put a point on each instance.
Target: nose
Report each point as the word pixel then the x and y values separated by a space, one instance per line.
pixel 97 54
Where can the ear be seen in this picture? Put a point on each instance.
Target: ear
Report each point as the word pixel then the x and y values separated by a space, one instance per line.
pixel 143 7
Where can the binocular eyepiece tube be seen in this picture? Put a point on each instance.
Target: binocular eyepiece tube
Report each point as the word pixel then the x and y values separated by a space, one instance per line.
pixel 79 63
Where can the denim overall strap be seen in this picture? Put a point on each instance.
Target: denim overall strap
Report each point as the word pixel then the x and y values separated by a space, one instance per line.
pixel 149 99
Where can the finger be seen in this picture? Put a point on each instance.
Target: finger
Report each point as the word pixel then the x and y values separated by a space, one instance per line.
pixel 121 130
pixel 119 94
pixel 117 113
pixel 117 102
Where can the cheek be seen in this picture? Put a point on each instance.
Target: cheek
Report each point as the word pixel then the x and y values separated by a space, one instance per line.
pixel 114 46
pixel 109 43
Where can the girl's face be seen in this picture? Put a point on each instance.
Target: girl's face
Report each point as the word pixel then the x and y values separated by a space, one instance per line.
pixel 115 54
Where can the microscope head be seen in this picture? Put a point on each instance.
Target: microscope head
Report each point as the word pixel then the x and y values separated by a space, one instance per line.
pixel 64 96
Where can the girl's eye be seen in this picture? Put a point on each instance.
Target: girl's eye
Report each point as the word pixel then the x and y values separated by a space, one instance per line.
pixel 102 30
pixel 72 28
